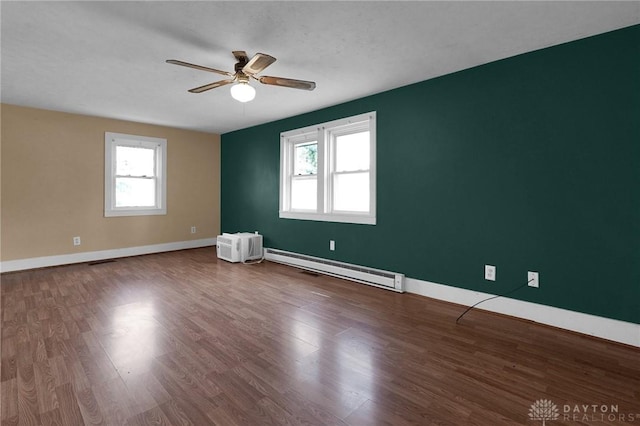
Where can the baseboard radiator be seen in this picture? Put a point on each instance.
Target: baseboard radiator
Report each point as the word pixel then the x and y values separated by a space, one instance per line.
pixel 375 277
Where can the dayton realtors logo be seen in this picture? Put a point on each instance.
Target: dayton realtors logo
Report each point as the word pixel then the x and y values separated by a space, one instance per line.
pixel 546 410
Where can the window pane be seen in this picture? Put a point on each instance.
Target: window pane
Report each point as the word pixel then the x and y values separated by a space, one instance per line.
pixel 304 193
pixel 135 192
pixel 352 152
pixel 351 192
pixel 134 161
pixel 306 159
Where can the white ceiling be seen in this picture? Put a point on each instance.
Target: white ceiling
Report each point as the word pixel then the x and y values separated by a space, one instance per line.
pixel 108 58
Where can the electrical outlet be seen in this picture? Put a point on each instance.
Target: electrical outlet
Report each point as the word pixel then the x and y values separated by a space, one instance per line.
pixel 533 279
pixel 332 245
pixel 76 241
pixel 193 229
pixel 489 272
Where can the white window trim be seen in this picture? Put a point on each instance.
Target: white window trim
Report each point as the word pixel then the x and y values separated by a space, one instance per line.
pixel 111 141
pixel 323 135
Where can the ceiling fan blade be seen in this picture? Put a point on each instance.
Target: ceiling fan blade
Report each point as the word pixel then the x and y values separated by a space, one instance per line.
pixel 288 82
pixel 241 56
pixel 198 67
pixel 211 86
pixel 258 63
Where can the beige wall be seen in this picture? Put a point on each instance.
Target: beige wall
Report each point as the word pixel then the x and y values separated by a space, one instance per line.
pixel 52 185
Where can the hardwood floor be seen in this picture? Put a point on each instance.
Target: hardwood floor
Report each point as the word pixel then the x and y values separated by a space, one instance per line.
pixel 181 338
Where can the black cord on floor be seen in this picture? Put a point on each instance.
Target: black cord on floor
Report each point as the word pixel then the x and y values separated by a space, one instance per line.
pixel 493 297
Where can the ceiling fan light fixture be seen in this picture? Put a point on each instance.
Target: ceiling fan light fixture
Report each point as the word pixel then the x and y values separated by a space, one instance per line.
pixel 243 92
pixel 245 69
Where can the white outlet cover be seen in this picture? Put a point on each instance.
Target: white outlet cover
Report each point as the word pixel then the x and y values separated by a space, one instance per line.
pixel 489 272
pixel 533 279
pixel 332 245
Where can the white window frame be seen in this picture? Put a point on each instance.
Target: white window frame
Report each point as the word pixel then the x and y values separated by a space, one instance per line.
pixel 159 145
pixel 325 134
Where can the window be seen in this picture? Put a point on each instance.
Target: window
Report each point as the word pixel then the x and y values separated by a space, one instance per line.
pixel 327 172
pixel 304 180
pixel 135 175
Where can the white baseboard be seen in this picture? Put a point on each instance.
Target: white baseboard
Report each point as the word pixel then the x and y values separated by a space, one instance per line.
pixel 604 328
pixel 92 256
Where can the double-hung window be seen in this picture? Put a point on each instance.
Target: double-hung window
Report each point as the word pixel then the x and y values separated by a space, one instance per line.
pixel 135 175
pixel 327 172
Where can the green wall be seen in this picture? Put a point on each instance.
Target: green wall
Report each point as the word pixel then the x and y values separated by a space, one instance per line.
pixel 528 163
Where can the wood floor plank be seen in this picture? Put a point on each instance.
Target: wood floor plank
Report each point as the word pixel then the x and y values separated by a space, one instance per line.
pixel 146 391
pixel 389 414
pixel 114 401
pixel 153 416
pixel 27 395
pixel 9 399
pixel 89 408
pixel 52 418
pixel 9 367
pixel 178 417
pixel 69 409
pixel 183 338
pixel 45 384
pixel 179 384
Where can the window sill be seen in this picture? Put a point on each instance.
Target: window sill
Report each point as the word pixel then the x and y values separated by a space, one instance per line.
pixel 320 217
pixel 140 212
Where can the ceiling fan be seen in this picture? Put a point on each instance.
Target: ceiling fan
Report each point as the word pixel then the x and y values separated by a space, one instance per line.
pixel 245 69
